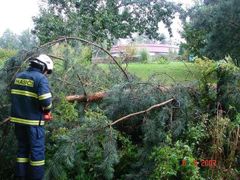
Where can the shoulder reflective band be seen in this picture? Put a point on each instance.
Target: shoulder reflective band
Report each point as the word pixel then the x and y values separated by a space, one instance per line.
pixel 26 121
pixel 22 160
pixel 24 82
pixel 24 93
pixel 37 163
pixel 45 96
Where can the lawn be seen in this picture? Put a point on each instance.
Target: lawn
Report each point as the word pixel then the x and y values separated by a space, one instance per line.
pixel 173 72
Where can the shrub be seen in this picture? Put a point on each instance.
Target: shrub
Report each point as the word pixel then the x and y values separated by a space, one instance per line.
pixel 144 56
pixel 6 54
pixel 168 162
pixel 161 60
pixel 86 55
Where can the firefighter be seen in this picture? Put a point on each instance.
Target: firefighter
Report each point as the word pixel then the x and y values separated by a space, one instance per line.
pixel 31 101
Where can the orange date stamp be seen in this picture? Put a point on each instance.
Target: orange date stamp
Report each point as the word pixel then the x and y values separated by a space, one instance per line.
pixel 200 163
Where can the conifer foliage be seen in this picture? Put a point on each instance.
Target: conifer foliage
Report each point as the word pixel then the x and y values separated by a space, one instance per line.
pixel 84 141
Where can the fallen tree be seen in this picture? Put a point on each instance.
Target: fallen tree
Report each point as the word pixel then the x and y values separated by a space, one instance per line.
pixel 87 98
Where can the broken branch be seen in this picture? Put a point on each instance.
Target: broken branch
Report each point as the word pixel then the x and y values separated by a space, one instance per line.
pixel 142 112
pixel 4 121
pixel 89 98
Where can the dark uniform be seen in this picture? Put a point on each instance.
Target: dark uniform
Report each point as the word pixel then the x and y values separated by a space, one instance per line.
pixel 31 97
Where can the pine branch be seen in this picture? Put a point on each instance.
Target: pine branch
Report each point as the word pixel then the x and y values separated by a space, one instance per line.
pixel 5 121
pixel 4 105
pixel 67 82
pixel 141 112
pixel 80 80
pixel 55 57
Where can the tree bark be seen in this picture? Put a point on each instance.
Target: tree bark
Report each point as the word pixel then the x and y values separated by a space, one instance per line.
pixel 89 98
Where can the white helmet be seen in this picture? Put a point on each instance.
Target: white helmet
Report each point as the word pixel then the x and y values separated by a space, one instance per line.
pixel 43 59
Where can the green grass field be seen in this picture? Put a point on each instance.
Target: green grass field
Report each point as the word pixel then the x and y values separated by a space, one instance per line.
pixel 173 72
pixel 169 73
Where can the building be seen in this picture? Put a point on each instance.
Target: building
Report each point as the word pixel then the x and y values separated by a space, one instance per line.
pixel 152 49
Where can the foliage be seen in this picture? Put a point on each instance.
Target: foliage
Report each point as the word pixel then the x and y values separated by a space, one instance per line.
pixel 81 143
pixel 27 40
pixel 6 54
pixel 129 54
pixel 78 146
pixel 161 60
pixel 86 55
pixel 24 41
pixel 9 40
pixel 213 30
pixel 228 88
pixel 65 111
pixel 169 162
pixel 144 56
pixel 208 80
pixel 103 21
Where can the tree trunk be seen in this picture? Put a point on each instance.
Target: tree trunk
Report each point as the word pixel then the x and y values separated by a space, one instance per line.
pixel 89 98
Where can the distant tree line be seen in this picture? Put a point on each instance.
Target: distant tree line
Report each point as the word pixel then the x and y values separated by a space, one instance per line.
pixel 25 41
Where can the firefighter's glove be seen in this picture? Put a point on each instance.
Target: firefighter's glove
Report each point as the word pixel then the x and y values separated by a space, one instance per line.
pixel 48 116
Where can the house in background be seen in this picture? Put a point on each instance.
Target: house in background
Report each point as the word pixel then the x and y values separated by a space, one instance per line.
pixel 133 51
pixel 152 49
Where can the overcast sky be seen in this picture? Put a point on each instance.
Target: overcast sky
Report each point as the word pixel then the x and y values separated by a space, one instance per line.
pixel 16 15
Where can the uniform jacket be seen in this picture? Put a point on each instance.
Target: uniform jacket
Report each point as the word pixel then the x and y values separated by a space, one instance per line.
pixel 31 96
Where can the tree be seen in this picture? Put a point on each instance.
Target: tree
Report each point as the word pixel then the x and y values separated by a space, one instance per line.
pixel 27 40
pixel 103 20
pixel 9 40
pixel 213 30
pixel 12 41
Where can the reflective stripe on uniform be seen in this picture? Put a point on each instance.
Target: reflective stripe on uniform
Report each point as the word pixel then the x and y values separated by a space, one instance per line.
pixel 24 93
pixel 45 96
pixel 26 121
pixel 48 107
pixel 22 160
pixel 37 163
pixel 30 94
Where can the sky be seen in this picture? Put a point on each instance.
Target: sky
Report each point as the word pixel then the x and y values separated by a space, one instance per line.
pixel 16 15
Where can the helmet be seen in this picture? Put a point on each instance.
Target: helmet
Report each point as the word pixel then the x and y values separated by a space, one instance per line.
pixel 44 61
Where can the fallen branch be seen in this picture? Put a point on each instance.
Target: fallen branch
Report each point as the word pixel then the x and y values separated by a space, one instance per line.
pixel 55 57
pixel 89 98
pixel 61 39
pixel 141 112
pixel 80 80
pixel 5 121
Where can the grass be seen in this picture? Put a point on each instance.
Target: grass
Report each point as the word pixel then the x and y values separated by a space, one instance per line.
pixel 173 72
pixel 169 73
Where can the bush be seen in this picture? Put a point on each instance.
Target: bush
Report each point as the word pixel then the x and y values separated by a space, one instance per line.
pixel 161 60
pixel 144 56
pixel 86 55
pixel 169 162
pixel 6 54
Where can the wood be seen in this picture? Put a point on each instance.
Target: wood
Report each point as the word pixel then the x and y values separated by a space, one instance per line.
pixel 142 112
pixel 4 121
pixel 89 98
